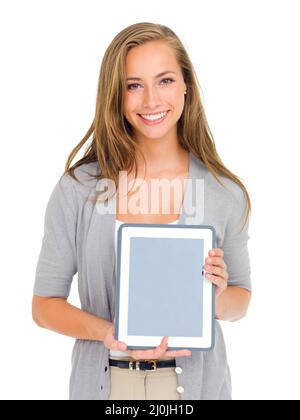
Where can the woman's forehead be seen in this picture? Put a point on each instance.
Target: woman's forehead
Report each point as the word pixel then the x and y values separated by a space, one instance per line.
pixel 150 59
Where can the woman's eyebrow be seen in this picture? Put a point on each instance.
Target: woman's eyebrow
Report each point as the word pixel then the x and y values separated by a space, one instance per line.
pixel 159 75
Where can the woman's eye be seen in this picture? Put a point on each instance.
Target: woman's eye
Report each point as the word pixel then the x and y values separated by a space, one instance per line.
pixel 132 86
pixel 170 80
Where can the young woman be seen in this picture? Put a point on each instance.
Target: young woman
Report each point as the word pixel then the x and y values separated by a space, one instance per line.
pixel 150 123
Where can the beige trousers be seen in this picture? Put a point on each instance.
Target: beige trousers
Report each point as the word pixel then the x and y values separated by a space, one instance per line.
pixel 160 384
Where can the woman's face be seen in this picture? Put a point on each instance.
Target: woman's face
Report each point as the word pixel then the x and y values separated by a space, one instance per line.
pixel 150 93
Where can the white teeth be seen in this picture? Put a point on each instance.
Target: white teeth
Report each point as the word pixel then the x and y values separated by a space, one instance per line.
pixel 154 117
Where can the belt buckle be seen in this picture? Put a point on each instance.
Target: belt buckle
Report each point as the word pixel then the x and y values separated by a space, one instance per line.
pixel 153 366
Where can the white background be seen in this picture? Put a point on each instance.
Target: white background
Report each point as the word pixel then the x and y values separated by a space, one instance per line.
pixel 246 55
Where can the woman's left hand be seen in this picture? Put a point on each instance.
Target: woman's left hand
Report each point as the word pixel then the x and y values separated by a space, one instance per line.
pixel 216 270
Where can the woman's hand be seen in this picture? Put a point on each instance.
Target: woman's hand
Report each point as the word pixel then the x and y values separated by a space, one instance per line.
pixel 216 270
pixel 156 353
pixel 110 342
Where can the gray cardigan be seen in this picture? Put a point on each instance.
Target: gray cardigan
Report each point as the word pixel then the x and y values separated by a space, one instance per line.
pixel 77 239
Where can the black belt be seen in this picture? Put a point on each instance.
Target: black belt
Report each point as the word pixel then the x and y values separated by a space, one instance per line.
pixel 142 364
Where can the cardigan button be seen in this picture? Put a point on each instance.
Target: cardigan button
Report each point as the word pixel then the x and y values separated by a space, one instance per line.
pixel 178 370
pixel 180 389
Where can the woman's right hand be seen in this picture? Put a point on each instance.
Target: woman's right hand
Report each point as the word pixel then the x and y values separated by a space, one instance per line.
pixel 155 353
pixel 110 342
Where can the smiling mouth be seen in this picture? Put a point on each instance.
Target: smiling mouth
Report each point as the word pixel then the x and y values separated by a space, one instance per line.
pixel 156 118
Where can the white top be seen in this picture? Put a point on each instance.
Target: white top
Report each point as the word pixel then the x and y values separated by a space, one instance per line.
pixel 118 353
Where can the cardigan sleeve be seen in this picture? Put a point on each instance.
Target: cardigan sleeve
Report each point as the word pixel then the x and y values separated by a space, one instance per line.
pixel 236 255
pixel 57 261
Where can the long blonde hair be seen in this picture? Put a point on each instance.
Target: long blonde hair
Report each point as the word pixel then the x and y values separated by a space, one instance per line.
pixel 112 145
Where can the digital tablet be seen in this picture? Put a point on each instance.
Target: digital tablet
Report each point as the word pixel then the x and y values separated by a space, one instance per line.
pixel 160 286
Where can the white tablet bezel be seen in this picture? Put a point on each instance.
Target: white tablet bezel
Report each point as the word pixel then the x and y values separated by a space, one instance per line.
pixel 125 233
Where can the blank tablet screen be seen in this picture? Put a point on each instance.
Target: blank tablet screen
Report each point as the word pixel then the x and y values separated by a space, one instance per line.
pixel 165 287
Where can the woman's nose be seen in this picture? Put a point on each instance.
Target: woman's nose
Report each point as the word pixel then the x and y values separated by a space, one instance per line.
pixel 151 98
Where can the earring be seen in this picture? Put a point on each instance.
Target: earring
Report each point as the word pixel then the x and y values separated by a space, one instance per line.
pixel 185 92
